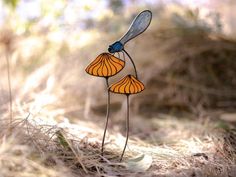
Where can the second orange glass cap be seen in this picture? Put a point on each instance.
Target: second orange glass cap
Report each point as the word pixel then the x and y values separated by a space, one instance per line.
pixel 128 85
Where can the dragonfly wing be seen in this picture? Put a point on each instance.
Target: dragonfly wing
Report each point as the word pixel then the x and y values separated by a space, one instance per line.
pixel 138 26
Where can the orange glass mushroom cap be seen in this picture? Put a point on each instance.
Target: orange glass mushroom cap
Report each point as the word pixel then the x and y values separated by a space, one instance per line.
pixel 105 65
pixel 128 85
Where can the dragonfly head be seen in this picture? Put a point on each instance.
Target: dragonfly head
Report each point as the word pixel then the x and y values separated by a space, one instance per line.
pixel 116 47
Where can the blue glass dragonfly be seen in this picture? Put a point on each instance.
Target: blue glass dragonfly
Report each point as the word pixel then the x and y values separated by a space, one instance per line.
pixel 138 26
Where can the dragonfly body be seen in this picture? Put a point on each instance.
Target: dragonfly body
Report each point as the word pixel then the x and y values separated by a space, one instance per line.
pixel 138 26
pixel 116 47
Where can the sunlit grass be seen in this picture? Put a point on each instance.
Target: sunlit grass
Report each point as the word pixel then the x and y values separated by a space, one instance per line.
pixel 84 139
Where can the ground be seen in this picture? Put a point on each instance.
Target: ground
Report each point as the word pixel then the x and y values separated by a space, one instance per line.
pixel 159 146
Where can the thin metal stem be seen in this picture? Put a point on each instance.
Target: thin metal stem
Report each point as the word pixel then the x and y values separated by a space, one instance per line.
pixel 9 87
pixel 118 54
pixel 107 116
pixel 135 70
pixel 127 129
pixel 123 54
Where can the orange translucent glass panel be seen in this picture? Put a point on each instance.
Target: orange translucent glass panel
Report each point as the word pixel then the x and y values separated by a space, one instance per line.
pixel 128 85
pixel 105 65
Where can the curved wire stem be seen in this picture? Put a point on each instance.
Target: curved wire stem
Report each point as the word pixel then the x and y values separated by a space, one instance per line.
pixel 135 70
pixel 127 128
pixel 118 54
pixel 107 116
pixel 123 55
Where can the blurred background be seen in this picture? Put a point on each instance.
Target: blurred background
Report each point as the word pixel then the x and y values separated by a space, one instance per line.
pixel 186 59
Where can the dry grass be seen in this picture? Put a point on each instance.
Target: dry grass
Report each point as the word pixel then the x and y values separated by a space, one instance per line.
pixel 58 113
pixel 178 147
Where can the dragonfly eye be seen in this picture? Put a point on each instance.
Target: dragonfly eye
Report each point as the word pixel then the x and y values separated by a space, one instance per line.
pixel 110 49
